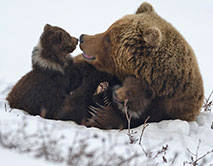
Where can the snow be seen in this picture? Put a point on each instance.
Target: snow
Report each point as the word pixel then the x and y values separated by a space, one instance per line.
pixel 21 25
pixel 33 131
pixel 11 158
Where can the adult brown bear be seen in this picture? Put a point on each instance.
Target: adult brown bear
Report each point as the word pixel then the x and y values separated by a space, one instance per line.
pixel 151 57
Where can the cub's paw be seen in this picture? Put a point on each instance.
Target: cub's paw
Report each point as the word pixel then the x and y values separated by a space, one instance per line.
pixel 101 87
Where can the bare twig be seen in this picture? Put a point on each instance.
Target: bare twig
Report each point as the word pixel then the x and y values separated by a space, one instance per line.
pixel 128 117
pixel 163 150
pixel 142 133
pixel 173 160
pixel 193 161
pixel 201 157
pixel 208 103
pixel 5 107
pixel 198 147
pixel 123 162
pixel 143 129
pixel 190 152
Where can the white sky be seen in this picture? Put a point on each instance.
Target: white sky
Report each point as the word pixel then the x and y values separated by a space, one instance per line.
pixel 22 21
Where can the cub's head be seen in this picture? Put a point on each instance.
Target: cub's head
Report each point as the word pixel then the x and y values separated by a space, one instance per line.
pixel 57 39
pixel 52 51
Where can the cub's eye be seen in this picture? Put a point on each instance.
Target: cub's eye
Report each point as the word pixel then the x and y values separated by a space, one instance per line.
pixel 107 38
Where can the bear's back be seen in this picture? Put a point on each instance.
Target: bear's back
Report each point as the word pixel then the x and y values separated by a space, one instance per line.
pixel 36 91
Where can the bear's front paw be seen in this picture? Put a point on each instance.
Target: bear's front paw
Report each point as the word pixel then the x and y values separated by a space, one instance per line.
pixel 105 117
pixel 101 87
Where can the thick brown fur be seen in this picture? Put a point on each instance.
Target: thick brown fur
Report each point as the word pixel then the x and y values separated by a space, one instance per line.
pixel 138 94
pixel 145 46
pixel 108 115
pixel 43 90
pixel 76 105
pixel 105 114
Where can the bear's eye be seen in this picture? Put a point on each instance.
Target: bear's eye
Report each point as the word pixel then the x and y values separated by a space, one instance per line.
pixel 107 38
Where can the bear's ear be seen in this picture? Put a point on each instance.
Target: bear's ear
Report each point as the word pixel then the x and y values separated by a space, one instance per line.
pixel 152 36
pixel 47 27
pixel 145 7
pixel 59 36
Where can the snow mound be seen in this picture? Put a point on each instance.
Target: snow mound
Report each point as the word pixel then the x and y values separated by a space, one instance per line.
pixel 165 143
pixel 169 142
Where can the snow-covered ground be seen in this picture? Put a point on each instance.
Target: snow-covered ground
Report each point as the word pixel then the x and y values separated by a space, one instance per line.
pixel 26 139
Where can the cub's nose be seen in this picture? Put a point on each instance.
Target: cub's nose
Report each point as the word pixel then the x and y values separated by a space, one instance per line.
pixel 81 39
pixel 75 40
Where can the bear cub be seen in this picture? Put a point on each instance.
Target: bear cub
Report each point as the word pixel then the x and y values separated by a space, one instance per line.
pixel 43 90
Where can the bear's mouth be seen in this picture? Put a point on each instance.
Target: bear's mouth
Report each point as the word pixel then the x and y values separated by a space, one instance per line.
pixel 87 57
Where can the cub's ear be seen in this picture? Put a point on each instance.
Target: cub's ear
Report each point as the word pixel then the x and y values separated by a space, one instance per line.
pixel 152 36
pixel 47 27
pixel 145 7
pixel 59 37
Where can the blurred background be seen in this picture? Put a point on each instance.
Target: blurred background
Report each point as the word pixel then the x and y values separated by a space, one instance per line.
pixel 22 22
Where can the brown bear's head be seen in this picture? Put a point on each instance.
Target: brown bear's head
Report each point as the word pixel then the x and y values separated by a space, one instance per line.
pixel 57 39
pixel 125 40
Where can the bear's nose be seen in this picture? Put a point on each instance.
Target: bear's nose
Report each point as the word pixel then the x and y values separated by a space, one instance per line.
pixel 75 40
pixel 81 39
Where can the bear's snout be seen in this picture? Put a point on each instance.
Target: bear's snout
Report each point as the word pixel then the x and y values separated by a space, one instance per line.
pixel 81 39
pixel 75 41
